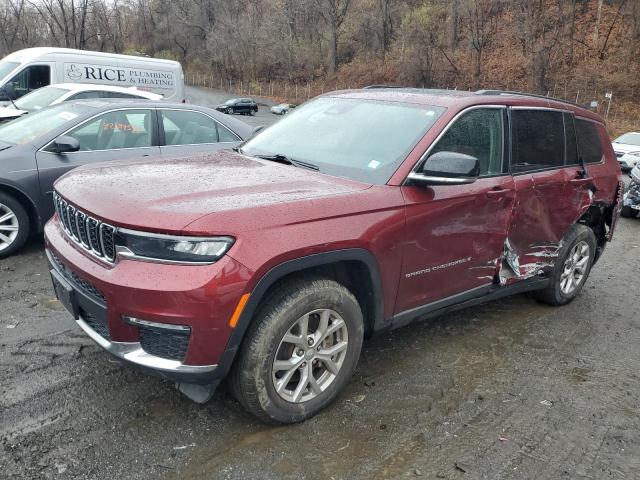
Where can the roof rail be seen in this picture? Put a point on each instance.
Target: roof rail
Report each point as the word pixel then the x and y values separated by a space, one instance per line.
pixel 524 94
pixel 370 87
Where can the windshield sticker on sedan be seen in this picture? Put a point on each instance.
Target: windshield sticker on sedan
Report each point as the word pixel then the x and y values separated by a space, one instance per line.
pixel 67 115
pixel 374 164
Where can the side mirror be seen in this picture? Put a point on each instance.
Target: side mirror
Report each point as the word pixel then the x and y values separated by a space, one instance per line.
pixel 65 144
pixel 9 91
pixel 447 168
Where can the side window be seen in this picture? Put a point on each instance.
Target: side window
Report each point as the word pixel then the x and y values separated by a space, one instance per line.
pixel 226 135
pixel 84 96
pixel 478 133
pixel 589 146
pixel 106 94
pixel 31 78
pixel 115 130
pixel 188 128
pixel 571 148
pixel 537 139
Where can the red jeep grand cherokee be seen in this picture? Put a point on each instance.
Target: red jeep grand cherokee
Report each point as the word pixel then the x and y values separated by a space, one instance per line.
pixel 362 210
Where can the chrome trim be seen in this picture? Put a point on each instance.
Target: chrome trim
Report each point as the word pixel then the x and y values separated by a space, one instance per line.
pixel 134 353
pixel 419 177
pixel 425 155
pixel 162 326
pixel 65 217
pixel 551 109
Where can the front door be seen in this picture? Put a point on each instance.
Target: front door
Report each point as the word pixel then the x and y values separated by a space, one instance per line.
pixel 115 135
pixel 456 234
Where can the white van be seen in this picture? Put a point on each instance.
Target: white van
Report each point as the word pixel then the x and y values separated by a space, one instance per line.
pixel 32 68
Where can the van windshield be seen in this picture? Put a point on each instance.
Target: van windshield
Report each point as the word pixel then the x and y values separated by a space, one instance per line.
pixel 6 68
pixel 43 97
pixel 29 127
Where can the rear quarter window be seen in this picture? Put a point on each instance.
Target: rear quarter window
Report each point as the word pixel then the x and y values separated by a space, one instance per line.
pixel 589 146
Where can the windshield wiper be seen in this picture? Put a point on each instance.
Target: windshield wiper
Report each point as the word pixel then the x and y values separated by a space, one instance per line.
pixel 288 161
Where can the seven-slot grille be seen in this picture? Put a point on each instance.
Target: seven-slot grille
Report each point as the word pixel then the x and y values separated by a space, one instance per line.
pixel 92 234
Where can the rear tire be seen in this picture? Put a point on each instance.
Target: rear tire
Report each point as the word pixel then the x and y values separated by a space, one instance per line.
pixel 627 212
pixel 14 225
pixel 572 267
pixel 282 351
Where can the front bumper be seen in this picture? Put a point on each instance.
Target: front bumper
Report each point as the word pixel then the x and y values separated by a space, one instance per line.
pixel 199 297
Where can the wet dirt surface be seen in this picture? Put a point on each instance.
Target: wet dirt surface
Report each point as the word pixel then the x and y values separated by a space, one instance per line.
pixel 511 389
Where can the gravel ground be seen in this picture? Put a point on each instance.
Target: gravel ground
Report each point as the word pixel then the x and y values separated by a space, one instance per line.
pixel 510 389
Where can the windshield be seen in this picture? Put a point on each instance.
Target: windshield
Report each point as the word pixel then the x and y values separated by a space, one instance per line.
pixel 41 98
pixel 358 139
pixel 6 68
pixel 230 102
pixel 29 127
pixel 629 139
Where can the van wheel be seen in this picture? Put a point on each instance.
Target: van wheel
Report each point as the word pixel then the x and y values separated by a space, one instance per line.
pixel 300 351
pixel 14 225
pixel 572 267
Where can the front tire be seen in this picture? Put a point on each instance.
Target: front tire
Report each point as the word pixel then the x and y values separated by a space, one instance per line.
pixel 14 225
pixel 627 212
pixel 300 351
pixel 572 267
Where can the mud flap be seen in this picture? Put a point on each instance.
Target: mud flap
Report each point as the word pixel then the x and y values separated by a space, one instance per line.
pixel 198 393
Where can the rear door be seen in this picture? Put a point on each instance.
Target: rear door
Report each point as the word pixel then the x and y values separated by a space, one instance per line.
pixel 544 212
pixel 115 135
pixel 456 233
pixel 188 131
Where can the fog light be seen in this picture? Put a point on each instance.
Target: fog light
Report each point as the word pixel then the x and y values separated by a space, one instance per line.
pixel 163 326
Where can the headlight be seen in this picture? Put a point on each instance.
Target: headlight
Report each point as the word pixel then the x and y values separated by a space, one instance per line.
pixel 170 248
pixel 634 154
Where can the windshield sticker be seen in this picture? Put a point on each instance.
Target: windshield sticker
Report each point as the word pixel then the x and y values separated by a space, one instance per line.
pixel 373 164
pixel 67 115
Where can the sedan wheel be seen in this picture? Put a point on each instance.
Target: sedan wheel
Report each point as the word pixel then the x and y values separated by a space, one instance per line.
pixel 14 225
pixel 9 227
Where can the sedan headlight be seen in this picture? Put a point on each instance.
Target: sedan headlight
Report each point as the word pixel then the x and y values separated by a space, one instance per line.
pixel 634 154
pixel 170 248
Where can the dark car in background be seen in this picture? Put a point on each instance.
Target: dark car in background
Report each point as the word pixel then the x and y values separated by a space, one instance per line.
pixel 37 148
pixel 244 106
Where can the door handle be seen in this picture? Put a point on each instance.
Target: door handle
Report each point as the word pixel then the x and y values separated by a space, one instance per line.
pixel 497 192
pixel 581 181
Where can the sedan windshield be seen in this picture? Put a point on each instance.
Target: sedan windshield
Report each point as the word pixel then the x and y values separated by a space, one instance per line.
pixel 29 127
pixel 363 140
pixel 41 98
pixel 629 139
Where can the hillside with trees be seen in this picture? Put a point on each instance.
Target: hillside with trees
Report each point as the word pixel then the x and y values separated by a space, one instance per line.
pixel 575 49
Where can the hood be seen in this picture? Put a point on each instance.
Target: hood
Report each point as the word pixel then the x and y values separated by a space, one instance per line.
pixel 625 147
pixel 169 194
pixel 7 112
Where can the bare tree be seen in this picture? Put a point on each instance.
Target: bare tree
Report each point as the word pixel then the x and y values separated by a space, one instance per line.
pixel 334 12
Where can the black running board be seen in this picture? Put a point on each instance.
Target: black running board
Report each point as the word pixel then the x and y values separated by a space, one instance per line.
pixel 466 299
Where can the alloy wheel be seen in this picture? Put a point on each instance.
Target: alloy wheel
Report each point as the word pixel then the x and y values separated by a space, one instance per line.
pixel 575 268
pixel 310 355
pixel 9 227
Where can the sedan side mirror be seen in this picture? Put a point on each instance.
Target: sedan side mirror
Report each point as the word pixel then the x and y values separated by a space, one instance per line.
pixel 447 168
pixel 65 144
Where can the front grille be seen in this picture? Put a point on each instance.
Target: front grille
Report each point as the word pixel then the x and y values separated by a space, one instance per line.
pixel 97 325
pixel 163 343
pixel 90 233
pixel 79 282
